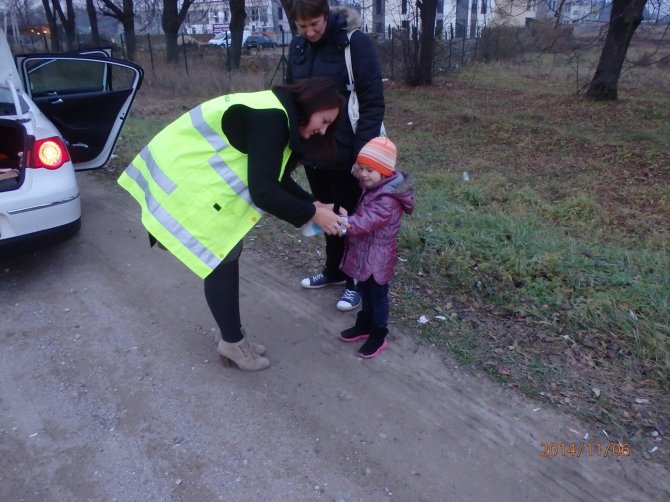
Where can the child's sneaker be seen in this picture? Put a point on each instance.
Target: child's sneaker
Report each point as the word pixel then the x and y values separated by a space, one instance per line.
pixel 359 331
pixel 354 334
pixel 372 347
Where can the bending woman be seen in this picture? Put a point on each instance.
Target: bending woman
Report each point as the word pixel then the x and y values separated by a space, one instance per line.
pixel 205 180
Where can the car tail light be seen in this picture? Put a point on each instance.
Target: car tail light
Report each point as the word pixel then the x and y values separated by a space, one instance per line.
pixel 49 153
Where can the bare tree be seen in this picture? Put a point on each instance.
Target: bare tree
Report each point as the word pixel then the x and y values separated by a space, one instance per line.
pixel 625 18
pixel 428 13
pixel 67 20
pixel 93 21
pixel 657 7
pixel 172 19
pixel 125 14
pixel 53 26
pixel 26 11
pixel 237 19
pixel 418 46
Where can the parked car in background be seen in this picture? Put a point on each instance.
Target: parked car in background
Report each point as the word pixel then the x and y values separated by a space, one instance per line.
pixel 259 42
pixel 58 113
pixel 224 38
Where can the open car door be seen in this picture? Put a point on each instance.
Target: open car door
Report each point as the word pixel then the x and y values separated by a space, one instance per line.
pixel 87 97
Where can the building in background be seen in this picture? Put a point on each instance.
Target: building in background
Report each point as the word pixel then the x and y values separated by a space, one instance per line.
pixel 455 18
pixel 213 16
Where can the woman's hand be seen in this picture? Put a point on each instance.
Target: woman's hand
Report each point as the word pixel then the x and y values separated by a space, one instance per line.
pixel 326 219
pixel 330 206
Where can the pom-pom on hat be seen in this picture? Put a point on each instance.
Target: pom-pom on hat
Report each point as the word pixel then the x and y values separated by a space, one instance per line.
pixel 379 154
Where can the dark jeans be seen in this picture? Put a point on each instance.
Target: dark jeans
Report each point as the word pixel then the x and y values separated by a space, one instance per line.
pixel 375 299
pixel 337 187
pixel 222 292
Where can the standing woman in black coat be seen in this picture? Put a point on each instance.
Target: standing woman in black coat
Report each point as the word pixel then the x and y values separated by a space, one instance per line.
pixel 318 51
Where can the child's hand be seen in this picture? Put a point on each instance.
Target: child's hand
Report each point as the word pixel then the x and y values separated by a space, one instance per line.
pixel 343 212
pixel 343 225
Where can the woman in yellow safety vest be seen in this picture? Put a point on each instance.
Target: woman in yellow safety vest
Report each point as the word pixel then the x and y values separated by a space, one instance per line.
pixel 205 180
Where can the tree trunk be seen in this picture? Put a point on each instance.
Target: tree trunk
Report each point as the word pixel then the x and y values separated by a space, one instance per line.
pixel 126 16
pixel 128 24
pixel 424 75
pixel 625 18
pixel 68 22
pixel 171 22
pixel 93 21
pixel 237 19
pixel 171 29
pixel 421 45
pixel 53 27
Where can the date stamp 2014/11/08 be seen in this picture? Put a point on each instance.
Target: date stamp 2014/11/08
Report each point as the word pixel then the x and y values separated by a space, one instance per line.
pixel 584 449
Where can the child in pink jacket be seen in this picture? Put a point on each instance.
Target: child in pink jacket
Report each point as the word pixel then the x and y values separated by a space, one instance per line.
pixel 371 244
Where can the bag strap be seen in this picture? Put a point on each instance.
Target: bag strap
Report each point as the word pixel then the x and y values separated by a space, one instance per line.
pixel 347 58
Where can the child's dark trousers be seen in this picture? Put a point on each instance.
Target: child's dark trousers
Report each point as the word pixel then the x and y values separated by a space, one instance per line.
pixel 375 302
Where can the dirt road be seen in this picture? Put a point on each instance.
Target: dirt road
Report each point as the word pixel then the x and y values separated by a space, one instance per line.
pixel 110 389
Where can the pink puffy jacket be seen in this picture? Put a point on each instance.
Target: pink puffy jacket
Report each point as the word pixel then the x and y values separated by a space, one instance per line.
pixel 371 247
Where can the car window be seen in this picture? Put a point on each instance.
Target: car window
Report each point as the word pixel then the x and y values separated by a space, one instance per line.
pixel 68 76
pixel 48 77
pixel 7 103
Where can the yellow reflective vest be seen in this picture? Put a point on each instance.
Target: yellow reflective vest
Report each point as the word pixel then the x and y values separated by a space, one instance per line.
pixel 192 185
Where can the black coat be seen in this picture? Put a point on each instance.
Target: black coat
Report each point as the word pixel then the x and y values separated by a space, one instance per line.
pixel 325 58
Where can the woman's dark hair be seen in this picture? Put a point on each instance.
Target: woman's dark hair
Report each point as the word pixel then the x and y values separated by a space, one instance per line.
pixel 308 9
pixel 312 95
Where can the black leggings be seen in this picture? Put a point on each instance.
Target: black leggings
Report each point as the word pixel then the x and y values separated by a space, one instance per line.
pixel 337 186
pixel 222 292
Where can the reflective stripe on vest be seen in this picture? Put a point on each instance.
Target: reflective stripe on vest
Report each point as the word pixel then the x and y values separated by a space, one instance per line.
pixel 192 185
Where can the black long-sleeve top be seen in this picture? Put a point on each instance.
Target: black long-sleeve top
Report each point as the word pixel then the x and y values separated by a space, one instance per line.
pixel 263 135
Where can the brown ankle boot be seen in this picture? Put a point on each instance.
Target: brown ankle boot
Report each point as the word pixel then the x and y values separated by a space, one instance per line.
pixel 242 354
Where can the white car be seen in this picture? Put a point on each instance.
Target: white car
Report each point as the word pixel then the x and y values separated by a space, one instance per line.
pixel 224 38
pixel 58 113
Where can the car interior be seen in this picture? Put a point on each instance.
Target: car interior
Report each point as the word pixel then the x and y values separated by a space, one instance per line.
pixel 12 145
pixel 82 98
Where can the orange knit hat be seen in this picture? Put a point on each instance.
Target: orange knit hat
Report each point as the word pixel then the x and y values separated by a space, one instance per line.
pixel 379 154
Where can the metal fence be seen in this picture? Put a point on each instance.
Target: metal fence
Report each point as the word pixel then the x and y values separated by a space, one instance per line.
pixel 449 54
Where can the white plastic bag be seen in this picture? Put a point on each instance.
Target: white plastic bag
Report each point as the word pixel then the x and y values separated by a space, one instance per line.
pixel 352 106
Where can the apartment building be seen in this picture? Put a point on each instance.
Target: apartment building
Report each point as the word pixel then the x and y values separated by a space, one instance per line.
pixel 455 18
pixel 213 16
